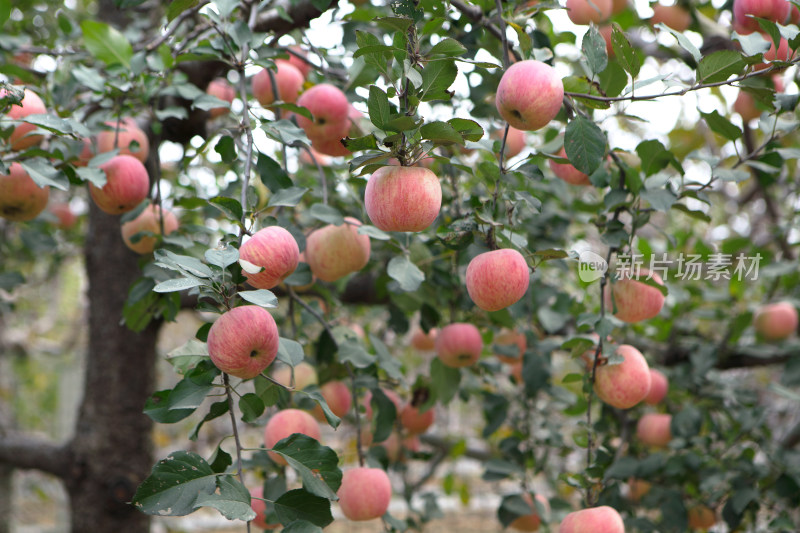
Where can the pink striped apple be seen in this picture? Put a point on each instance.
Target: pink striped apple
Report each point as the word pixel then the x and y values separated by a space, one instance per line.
pixel 243 342
pixel 775 10
pixel 595 520
pixel 776 321
pixel 333 252
pixel 626 384
pixel 287 77
pixel 365 493
pixel 635 301
pixel 584 12
pixel 31 105
pixel 20 198
pixel 659 385
pixel 330 111
pixel 529 95
pixel 286 423
pixel 459 344
pixel 497 279
pixel 127 184
pixel 414 421
pixel 403 198
pixel 654 429
pixel 567 172
pixel 275 250
pixel 148 221
pixel 223 90
pixel 130 139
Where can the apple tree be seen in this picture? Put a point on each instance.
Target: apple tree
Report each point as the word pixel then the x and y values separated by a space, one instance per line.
pixel 572 227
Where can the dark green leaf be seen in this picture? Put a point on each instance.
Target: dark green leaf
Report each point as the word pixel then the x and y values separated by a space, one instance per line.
pixel 624 52
pixel 301 505
pixel 317 465
pixel 106 43
pixel 585 144
pixel 175 484
pixel 594 49
pixel 288 197
pixel 226 148
pixel 231 499
pixel 251 407
pixel 406 273
pixel 444 380
pixel 447 47
pixel 176 7
pixel 441 133
pixel 378 107
pixel 437 77
pixel 272 173
pixel 719 66
pixel 229 206
pixel 722 125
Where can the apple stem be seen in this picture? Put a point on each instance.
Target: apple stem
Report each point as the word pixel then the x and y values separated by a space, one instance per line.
pixel 503 37
pixel 229 394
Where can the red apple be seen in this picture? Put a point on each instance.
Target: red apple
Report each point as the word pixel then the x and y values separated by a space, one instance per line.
pixel 127 184
pixel 497 279
pixel 20 198
pixel 303 66
pixel 304 375
pixel 365 493
pixel 637 488
pixel 330 110
pixel 286 423
pixel 260 508
pixel 243 342
pixel 332 147
pixel 595 520
pixel 403 198
pixel 567 172
pixel 515 141
pixel 414 421
pixel 654 429
pixel 338 397
pixel 459 344
pixel 529 95
pixel 635 301
pixel 585 12
pixel 659 385
pixel 335 251
pixel 275 250
pixel 148 221
pixel 424 341
pixel 605 32
pixel 66 217
pixel 701 517
pixel 289 80
pixel 776 321
pixel 674 17
pixel 224 91
pixel 532 521
pixel 781 54
pixel 130 139
pixel 774 10
pixel 626 384
pixel 31 105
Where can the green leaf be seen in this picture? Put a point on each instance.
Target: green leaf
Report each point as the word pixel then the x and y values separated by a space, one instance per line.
pixel 441 133
pixel 386 362
pixel 299 505
pixel 251 406
pixel 373 233
pixel 353 352
pixel 157 407
pixel 288 197
pixel 444 380
pixel 512 507
pixel 659 199
pixel 585 144
pixel 272 173
pixel 719 66
pixel 317 465
pixel 260 297
pixel 384 414
pixel 752 44
pixel 655 157
pixel 624 52
pixel 226 148
pixel 231 499
pixel 176 7
pixel 106 43
pixel 93 175
pixel 216 410
pixel 44 174
pixel 594 49
pixel 5 11
pixel 314 393
pixel 437 77
pixel 327 214
pixel 10 280
pixel 468 129
pixel 177 284
pixel 378 107
pixel 722 125
pixel 406 273
pixel 175 484
pixel 222 257
pixel 229 206
pixel 290 352
pixel 447 47
pixel 684 41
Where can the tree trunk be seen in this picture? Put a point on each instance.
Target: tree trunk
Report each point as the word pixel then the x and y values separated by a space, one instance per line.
pixel 111 447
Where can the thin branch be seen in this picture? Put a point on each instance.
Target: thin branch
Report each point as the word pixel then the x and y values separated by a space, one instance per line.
pixel 476 14
pixel 25 452
pixel 300 14
pixel 176 23
pixel 229 394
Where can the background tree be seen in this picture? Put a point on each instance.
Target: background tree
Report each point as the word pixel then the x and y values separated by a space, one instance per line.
pixel 463 228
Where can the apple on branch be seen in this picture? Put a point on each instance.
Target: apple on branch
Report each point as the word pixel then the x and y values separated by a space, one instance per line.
pixel 529 95
pixel 286 423
pixel 272 249
pixel 148 221
pixel 654 429
pixel 459 345
pixel 403 198
pixel 127 184
pixel 288 79
pixel 595 520
pixel 31 104
pixel 365 493
pixel 21 199
pixel 243 342
pixel 625 384
pixel 332 251
pixel 497 279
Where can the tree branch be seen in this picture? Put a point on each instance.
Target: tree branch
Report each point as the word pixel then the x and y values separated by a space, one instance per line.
pixel 301 14
pixel 24 452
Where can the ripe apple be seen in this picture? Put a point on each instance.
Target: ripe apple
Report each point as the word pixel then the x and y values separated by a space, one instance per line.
pixel 605 32
pixel 260 508
pixel 339 399
pixel 304 375
pixel 66 217
pixel 459 344
pixel 127 184
pixel 403 198
pixel 776 321
pixel 509 337
pixel 781 54
pixel 654 429
pixel 330 110
pixel 275 250
pixel 127 138
pixel 222 90
pixel 701 517
pixel 31 105
pixel 303 66
pixel 567 172
pixel 289 80
pixel 424 341
pixel 365 493
pixel 532 521
pixel 674 17
pixel 529 95
pixel 149 221
pixel 497 279
pixel 335 251
pixel 635 301
pixel 774 10
pixel 286 423
pixel 243 342
pixel 637 488
pixel 515 141
pixel 20 198
pixel 414 421
pixel 626 384
pixel 595 520
pixel 659 385
pixel 585 12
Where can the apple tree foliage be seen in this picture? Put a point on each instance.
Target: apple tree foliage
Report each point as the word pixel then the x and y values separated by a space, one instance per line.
pixel 423 74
